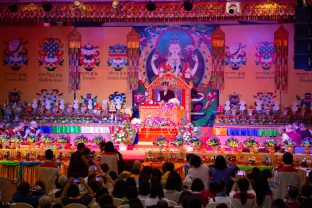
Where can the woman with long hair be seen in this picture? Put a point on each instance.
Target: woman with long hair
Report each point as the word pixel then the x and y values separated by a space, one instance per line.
pixel 156 194
pixel 263 191
pixel 242 194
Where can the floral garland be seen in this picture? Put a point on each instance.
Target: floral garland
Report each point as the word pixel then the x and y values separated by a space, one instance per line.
pixel 213 142
pixel 81 139
pixel 158 122
pixel 124 134
pixel 232 142
pixel 251 142
pixel 288 143
pixel 307 142
pixel 187 132
pixel 47 139
pixel 16 139
pixel 178 142
pixel 32 139
pixel 270 143
pixel 161 141
pixel 3 138
pixel 195 142
pixel 62 139
pixel 98 139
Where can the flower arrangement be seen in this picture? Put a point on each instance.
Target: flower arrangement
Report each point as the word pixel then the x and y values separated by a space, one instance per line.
pixel 177 142
pixel 187 132
pixel 307 142
pixel 270 143
pixel 158 122
pixel 62 139
pixel 47 139
pixel 16 139
pixel 213 142
pixel 195 141
pixel 124 133
pixel 161 141
pixel 251 142
pixel 98 139
pixel 232 142
pixel 81 139
pixel 32 139
pixel 288 143
pixel 252 160
pixel 175 101
pixel 3 138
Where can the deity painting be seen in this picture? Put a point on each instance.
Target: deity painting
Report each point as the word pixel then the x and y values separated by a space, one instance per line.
pixel 51 96
pixel 118 98
pixel 86 99
pixel 51 54
pixel 117 56
pixel 89 57
pixel 15 55
pixel 265 55
pixel 265 97
pixel 235 55
pixel 175 53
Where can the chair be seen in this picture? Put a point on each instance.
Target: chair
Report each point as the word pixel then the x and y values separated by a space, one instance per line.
pixel 21 205
pixel 172 203
pixel 213 204
pixel 75 205
pixel 117 202
pixel 48 175
pixel 7 188
pixel 124 206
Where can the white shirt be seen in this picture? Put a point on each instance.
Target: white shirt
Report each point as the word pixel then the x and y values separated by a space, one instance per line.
pixel 202 172
pixel 236 202
pixel 172 195
pixel 153 201
pixel 223 199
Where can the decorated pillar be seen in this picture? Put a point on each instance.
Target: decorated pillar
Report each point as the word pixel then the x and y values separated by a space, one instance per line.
pixel 74 41
pixel 133 44
pixel 218 44
pixel 281 59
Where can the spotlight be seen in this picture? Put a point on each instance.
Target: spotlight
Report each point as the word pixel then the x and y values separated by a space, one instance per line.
pixel 13 7
pixel 47 6
pixel 188 5
pixel 233 7
pixel 115 4
pixel 150 6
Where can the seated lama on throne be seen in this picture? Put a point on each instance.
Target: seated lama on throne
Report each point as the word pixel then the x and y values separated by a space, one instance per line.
pixel 166 94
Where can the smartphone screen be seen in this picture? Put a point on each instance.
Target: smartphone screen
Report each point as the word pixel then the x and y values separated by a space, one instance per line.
pixel 76 180
pixel 240 172
pixel 95 167
pixel 308 172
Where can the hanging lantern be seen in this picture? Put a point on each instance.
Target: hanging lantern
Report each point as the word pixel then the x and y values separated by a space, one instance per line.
pixel 133 44
pixel 218 44
pixel 74 41
pixel 281 59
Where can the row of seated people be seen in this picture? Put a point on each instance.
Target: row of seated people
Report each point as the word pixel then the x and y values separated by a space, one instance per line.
pixel 203 186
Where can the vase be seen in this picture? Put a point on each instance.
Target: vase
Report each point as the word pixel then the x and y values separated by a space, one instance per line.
pixel 122 147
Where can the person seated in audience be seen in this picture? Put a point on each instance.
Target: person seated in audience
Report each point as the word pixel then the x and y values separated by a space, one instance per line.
pixel 24 194
pixel 135 171
pixel 221 170
pixel 113 175
pixel 193 202
pixel 131 193
pixel 171 188
pixel 185 195
pixel 255 172
pixel 197 170
pixel 169 166
pixel 156 194
pixel 104 172
pixel 126 172
pixel 147 170
pixel 278 203
pixel 292 195
pixel 50 160
pixel 263 191
pixel 179 185
pixel 267 174
pixel 242 194
pixel 305 198
pixel 144 188
pixel 105 201
pixel 199 192
pixel 135 203
pixel 220 193
pixel 162 204
pixel 39 188
pixel 102 147
pixel 119 189
pixel 304 131
pixel 78 162
pixel 233 179
pixel 45 202
pixel 156 175
pixel 60 184
pixel 57 205
pixel 71 193
pixel 286 176
pixel 223 205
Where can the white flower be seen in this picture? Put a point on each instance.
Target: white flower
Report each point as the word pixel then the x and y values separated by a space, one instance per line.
pixel 136 121
pixel 174 101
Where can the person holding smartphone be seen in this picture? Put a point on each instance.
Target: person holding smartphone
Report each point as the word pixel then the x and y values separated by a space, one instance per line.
pixel 242 194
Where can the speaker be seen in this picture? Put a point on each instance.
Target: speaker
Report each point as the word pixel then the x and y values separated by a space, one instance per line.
pixel 303 38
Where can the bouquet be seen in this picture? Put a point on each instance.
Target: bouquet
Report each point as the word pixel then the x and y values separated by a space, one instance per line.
pixel 187 132
pixel 3 138
pixel 251 142
pixel 177 142
pixel 173 102
pixel 124 133
pixel 32 139
pixel 137 123
pixel 213 142
pixel 307 142
pixel 270 143
pixel 16 139
pixel 252 160
pixel 62 139
pixel 81 139
pixel 97 140
pixel 158 122
pixel 232 142
pixel 195 142
pixel 47 139
pixel 288 143
pixel 161 141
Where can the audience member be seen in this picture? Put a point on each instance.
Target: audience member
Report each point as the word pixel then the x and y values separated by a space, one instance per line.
pixel 220 193
pixel 197 170
pixel 242 194
pixel 156 194
pixel 147 170
pixel 162 204
pixel 193 202
pixel 78 163
pixel 49 162
pixel 264 194
pixel 156 176
pixel 184 197
pixel 144 189
pixel 223 205
pixel 135 203
pixel 286 176
pixel 45 202
pixel 60 184
pixel 135 170
pixel 126 172
pixel 197 188
pixel 171 188
pixel 119 189
pixel 168 166
pixel 292 195
pixel 105 200
pixel 279 203
pixel 24 194
pixel 131 193
pixel 109 148
pixel 221 170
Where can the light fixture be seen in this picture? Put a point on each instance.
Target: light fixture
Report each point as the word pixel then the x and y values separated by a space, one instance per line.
pixel 47 6
pixel 115 4
pixel 188 5
pixel 13 7
pixel 233 7
pixel 150 6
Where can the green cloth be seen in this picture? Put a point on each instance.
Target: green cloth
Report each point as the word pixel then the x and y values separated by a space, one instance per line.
pixel 249 168
pixel 9 163
pixel 268 132
pixel 66 129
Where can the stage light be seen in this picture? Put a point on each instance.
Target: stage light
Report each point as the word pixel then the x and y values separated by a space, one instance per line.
pixel 115 4
pixel 233 7
pixel 150 6
pixel 47 6
pixel 13 7
pixel 188 5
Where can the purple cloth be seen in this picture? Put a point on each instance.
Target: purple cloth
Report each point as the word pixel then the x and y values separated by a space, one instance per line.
pixel 296 138
pixel 306 133
pixel 221 175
